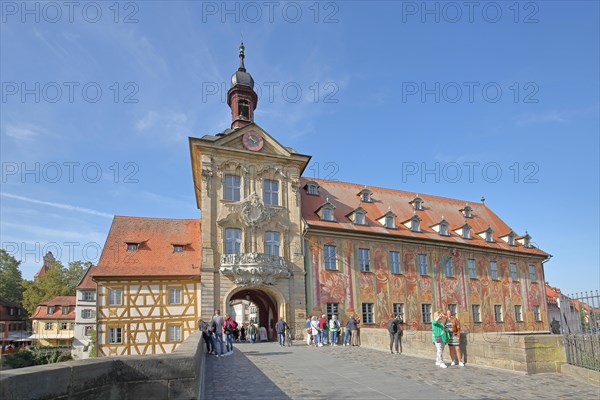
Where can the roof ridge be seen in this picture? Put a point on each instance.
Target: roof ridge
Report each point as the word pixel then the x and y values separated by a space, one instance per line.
pixel 395 190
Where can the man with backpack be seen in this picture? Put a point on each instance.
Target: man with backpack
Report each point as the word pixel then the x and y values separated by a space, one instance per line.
pixel 334 327
pixel 395 331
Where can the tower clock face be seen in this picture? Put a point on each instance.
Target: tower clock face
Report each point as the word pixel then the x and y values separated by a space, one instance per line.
pixel 253 141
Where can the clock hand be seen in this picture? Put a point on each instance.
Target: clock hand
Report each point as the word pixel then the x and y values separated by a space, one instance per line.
pixel 252 139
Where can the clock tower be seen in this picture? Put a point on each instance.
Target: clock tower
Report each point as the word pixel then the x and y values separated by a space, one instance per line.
pixel 247 187
pixel 241 97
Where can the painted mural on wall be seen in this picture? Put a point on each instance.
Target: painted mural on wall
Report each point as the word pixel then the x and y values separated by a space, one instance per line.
pixel 350 288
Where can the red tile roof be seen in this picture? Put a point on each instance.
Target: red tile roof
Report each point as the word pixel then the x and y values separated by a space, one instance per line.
pixel 86 281
pixel 155 256
pixel 346 199
pixel 552 293
pixel 41 312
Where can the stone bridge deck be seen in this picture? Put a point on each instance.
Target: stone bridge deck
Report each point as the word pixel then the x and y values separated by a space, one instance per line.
pixel 269 371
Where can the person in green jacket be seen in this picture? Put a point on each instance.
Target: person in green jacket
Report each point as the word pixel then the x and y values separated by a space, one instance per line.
pixel 439 337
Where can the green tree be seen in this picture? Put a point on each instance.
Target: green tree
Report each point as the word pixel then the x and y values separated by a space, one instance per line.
pixel 10 278
pixel 57 281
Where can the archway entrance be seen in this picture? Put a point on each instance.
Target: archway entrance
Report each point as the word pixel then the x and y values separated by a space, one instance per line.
pixel 263 309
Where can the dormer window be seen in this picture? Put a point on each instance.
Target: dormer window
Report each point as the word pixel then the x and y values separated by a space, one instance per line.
pixel 444 228
pixel 467 211
pixel 415 224
pixel 50 310
pixel 359 218
pixel 312 188
pixel 389 222
pixel 527 241
pixel 466 232
pixel 133 246
pixel 177 248
pixel 325 212
pixel 65 310
pixel 511 239
pixel 365 195
pixel 489 235
pixel 417 203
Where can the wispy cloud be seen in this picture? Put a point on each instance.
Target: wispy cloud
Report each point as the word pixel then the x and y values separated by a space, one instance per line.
pixel 22 133
pixel 541 118
pixel 57 205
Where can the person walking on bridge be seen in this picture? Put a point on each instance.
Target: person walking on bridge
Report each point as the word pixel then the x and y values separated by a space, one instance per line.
pixel 280 327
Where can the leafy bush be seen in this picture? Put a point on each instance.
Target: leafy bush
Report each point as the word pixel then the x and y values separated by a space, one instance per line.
pixel 35 356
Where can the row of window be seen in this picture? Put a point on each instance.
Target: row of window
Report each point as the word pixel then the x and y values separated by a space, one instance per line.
pixel 63 326
pixel 115 296
pixel 330 259
pixel 17 326
pixel 233 242
pixel 64 310
pixel 426 312
pixel 14 311
pixel 232 185
pixel 115 334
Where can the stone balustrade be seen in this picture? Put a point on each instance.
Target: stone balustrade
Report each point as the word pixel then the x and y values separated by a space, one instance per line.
pixel 165 376
pixel 254 269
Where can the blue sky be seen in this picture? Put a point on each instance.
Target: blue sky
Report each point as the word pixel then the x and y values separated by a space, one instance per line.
pixel 498 100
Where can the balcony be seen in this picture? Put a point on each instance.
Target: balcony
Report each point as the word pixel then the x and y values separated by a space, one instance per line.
pixel 254 269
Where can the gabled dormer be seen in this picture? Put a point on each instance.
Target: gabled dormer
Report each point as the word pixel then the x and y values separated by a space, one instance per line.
pixel 388 220
pixel 326 211
pixel 441 227
pixel 464 231
pixel 487 235
pixel 365 195
pixel 414 223
pixel 510 238
pixel 312 188
pixel 358 216
pixel 417 203
pixel 525 240
pixel 467 211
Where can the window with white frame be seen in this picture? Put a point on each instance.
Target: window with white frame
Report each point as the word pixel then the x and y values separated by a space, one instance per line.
pixel 177 248
pixel 415 225
pixel 449 268
pixel 312 190
pixel 363 260
pixel 536 313
pixel 511 239
pixel 518 313
pixel 271 192
pixel 174 295
pixel 359 218
pixel 64 326
pixel 422 262
pixel 327 214
pixel 467 211
pixel 476 312
pixel 426 313
pixel 367 313
pixel 231 188
pixel 418 204
pixel 498 313
pixel 471 268
pixel 115 335
pixel 330 257
pixel 133 247
pixel 389 222
pixel 513 272
pixel 115 297
pixel 493 270
pixel 394 262
pixel 49 326
pixel 174 333
pixel 489 236
pixel 398 309
pixel 444 229
pixel 466 230
pixel 65 310
pixel 272 243
pixel 50 310
pixel 366 197
pixel 233 241
pixel 532 275
pixel 87 313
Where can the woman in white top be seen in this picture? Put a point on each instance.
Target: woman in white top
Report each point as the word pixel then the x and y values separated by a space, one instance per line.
pixel 314 324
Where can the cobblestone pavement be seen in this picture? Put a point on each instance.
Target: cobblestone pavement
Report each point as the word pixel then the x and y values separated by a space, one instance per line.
pixel 269 371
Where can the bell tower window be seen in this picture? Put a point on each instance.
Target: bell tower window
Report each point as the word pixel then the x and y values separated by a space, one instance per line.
pixel 244 109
